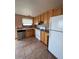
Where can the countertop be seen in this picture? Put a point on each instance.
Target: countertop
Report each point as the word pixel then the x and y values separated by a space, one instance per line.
pixel 46 30
pixel 25 28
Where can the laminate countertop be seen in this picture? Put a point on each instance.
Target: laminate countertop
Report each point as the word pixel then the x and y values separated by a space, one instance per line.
pixel 46 30
pixel 24 28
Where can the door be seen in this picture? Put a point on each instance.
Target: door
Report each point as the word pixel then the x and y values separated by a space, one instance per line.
pixel 56 23
pixel 55 45
pixel 46 38
pixel 42 36
pixel 57 11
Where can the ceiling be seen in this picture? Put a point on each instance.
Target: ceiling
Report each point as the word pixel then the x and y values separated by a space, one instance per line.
pixel 35 7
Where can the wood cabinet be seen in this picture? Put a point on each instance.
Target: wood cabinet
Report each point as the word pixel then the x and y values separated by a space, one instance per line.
pixel 39 19
pixel 62 11
pixel 51 13
pixel 44 38
pixel 30 33
pixel 35 20
pixel 42 18
pixel 45 18
pixel 57 11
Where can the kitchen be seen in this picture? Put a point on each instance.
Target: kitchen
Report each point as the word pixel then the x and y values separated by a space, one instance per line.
pixel 33 31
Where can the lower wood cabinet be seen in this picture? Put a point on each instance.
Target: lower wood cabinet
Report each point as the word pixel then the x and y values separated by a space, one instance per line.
pixel 30 33
pixel 44 37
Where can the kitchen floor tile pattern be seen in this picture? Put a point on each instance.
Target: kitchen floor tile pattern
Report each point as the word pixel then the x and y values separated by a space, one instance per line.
pixel 31 48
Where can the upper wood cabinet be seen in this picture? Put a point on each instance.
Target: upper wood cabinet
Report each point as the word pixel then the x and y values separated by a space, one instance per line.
pixel 35 20
pixel 55 12
pixel 42 17
pixel 51 12
pixel 39 19
pixel 45 18
pixel 58 11
pixel 62 11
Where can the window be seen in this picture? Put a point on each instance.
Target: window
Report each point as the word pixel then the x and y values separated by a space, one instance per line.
pixel 26 22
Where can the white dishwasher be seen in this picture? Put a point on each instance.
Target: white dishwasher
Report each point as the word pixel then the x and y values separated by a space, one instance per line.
pixel 37 34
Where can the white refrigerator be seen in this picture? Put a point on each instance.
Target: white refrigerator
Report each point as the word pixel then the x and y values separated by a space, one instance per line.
pixel 55 44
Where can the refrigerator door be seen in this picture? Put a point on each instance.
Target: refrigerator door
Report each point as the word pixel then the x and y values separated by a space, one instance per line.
pixel 55 45
pixel 56 23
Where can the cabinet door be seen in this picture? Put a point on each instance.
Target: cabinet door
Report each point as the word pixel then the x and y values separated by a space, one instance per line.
pixel 46 39
pixel 30 33
pixel 51 13
pixel 42 36
pixel 38 19
pixel 41 18
pixel 62 11
pixel 45 18
pixel 56 44
pixel 34 21
pixel 57 11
